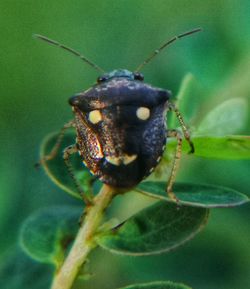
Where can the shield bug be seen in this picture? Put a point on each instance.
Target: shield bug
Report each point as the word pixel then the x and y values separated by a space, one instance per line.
pixel 120 125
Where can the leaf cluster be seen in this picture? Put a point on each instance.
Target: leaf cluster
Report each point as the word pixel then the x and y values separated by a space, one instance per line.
pixel 47 235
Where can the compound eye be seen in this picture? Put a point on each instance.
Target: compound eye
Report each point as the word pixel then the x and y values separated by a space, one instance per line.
pixel 101 79
pixel 138 76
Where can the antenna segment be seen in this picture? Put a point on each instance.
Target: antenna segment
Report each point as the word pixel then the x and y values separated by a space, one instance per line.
pixel 76 53
pixel 157 51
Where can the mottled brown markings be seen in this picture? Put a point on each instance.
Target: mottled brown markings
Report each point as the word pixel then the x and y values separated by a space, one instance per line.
pixel 112 138
pixel 82 124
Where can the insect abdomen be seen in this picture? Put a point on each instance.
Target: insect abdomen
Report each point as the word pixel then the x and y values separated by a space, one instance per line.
pixel 122 153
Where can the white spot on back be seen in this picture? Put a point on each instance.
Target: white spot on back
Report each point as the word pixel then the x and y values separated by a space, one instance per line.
pixel 114 160
pixel 128 159
pixel 123 159
pixel 95 116
pixel 143 113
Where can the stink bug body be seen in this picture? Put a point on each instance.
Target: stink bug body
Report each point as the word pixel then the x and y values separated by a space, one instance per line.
pixel 121 126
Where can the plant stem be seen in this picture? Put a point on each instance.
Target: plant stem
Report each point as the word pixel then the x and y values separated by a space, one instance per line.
pixel 84 241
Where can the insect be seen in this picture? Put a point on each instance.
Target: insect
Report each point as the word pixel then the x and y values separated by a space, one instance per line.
pixel 120 126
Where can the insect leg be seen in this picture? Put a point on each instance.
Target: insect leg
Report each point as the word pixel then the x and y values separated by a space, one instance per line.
pixel 66 157
pixel 54 151
pixel 183 126
pixel 176 162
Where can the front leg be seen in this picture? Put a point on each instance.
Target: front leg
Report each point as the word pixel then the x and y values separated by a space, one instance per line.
pixel 54 151
pixel 176 162
pixel 66 157
pixel 183 126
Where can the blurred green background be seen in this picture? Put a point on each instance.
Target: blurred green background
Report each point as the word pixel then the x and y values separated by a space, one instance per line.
pixel 37 80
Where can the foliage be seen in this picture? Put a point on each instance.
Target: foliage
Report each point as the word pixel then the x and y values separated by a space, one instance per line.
pixel 158 228
pixel 214 100
pixel 46 234
pixel 22 272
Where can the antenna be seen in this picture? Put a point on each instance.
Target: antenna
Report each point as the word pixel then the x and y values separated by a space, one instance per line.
pixel 76 53
pixel 157 51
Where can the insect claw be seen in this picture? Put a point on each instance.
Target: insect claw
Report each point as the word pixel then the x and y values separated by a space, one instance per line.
pixel 192 149
pixel 173 197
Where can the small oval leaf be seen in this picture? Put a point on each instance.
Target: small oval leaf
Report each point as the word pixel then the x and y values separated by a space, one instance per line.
pixel 199 195
pixel 46 235
pixel 18 271
pixel 158 228
pixel 158 285
pixel 233 147
pixel 227 118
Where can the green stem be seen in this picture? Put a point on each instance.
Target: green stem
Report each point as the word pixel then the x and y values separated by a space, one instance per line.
pixel 84 241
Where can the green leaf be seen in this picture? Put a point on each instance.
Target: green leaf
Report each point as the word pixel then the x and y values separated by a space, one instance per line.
pixel 159 228
pixel 158 285
pixel 18 271
pixel 46 235
pixel 227 118
pixel 57 170
pixel 233 147
pixel 227 147
pixel 206 196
